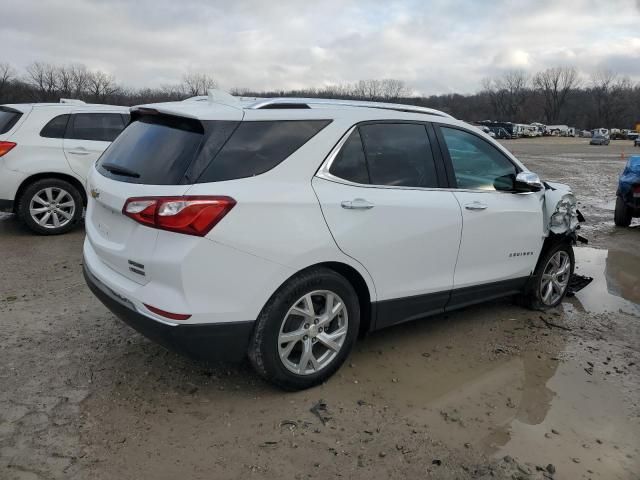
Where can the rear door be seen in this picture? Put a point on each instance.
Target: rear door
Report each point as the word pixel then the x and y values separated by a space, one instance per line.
pixel 381 197
pixel 502 231
pixel 88 134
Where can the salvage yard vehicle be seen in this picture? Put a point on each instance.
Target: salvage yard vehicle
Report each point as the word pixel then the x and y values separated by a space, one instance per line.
pixel 599 139
pixel 628 193
pixel 286 228
pixel 46 150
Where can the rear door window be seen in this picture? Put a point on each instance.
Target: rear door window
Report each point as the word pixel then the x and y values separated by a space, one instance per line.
pixel 350 163
pixel 102 127
pixel 155 150
pixel 8 118
pixel 258 146
pixel 56 128
pixel 399 154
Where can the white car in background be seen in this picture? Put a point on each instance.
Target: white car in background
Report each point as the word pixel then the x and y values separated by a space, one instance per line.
pixel 46 150
pixel 285 228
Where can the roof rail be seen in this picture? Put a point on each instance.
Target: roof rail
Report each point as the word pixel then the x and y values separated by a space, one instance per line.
pixel 398 107
pixel 72 101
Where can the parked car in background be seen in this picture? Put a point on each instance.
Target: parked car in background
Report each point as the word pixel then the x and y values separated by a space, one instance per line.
pixel 633 135
pixel 636 142
pixel 599 140
pixel 46 150
pixel 628 193
pixel 286 228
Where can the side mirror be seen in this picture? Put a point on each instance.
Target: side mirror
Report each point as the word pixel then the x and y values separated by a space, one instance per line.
pixel 527 182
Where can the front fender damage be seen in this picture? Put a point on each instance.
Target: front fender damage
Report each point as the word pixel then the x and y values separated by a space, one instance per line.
pixel 561 214
pixel 562 220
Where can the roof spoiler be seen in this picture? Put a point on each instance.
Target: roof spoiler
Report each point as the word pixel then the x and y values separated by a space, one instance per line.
pixel 223 98
pixel 72 101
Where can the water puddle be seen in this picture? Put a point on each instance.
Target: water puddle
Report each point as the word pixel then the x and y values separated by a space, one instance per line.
pixel 616 280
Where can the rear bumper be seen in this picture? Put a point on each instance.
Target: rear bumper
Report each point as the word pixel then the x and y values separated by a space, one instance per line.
pixel 215 342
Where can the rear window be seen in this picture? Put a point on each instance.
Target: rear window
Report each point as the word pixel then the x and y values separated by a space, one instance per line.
pixel 154 150
pixel 256 147
pixel 8 118
pixel 167 150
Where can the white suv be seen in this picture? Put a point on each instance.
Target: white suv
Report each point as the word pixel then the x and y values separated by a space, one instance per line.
pixel 287 227
pixel 46 150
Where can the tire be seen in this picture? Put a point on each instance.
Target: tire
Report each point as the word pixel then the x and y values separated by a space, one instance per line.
pixel 534 297
pixel 42 195
pixel 622 213
pixel 266 351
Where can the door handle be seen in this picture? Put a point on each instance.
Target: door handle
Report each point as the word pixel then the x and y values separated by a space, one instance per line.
pixel 476 206
pixel 79 151
pixel 357 204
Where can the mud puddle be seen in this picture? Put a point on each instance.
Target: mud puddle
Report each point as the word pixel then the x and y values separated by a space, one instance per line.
pixel 616 280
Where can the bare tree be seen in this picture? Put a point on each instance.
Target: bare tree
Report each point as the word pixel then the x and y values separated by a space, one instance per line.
pixel 44 78
pixel 65 81
pixel 508 94
pixel 612 97
pixel 393 89
pixel 555 85
pixel 79 80
pixel 101 85
pixel 195 83
pixel 6 75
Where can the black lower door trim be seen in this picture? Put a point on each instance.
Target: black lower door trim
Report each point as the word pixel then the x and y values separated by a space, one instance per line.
pixel 462 297
pixel 400 310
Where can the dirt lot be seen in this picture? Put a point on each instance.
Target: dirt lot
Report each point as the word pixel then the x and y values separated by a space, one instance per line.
pixel 493 391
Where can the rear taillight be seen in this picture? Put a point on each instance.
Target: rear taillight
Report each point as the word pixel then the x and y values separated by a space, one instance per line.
pixel 191 215
pixel 5 147
pixel 636 190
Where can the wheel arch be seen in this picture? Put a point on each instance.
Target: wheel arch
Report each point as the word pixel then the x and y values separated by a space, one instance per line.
pixel 357 281
pixel 44 175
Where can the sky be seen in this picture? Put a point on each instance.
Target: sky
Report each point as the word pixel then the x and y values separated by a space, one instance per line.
pixel 438 46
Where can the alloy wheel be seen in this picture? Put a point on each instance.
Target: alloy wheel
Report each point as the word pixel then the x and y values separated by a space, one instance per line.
pixel 313 332
pixel 555 277
pixel 52 207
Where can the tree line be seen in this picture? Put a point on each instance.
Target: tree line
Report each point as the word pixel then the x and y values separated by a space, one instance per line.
pixel 558 95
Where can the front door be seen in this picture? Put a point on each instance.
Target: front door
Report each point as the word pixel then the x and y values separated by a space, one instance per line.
pixel 502 231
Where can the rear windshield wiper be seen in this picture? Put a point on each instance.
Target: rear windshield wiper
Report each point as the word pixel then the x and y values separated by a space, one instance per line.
pixel 119 170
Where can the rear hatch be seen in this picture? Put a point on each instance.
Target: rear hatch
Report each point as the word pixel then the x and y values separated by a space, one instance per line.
pixel 158 154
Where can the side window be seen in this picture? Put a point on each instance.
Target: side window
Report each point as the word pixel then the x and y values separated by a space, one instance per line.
pixel 399 154
pixel 102 127
pixel 256 147
pixel 477 164
pixel 126 118
pixel 56 127
pixel 350 163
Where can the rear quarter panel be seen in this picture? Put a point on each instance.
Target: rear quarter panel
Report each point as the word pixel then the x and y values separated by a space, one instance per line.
pixel 278 217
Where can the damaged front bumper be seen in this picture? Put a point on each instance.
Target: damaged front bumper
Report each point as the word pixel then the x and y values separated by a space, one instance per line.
pixel 561 213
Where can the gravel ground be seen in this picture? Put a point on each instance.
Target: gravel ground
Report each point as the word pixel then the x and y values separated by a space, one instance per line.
pixel 492 391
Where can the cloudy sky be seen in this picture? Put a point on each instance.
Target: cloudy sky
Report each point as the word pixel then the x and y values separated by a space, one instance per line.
pixel 435 46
